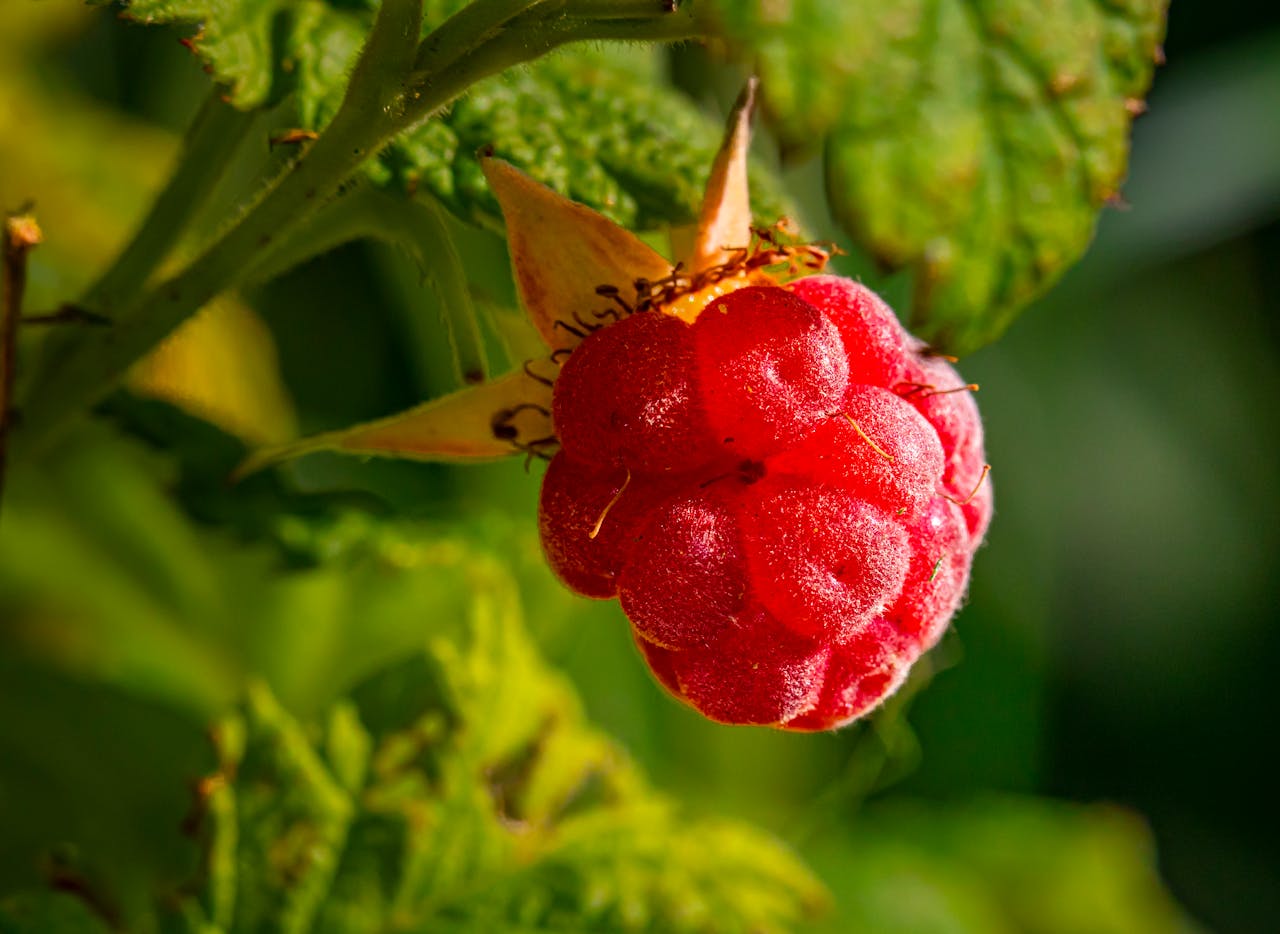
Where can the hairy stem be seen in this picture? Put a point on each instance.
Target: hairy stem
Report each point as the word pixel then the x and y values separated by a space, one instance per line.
pixel 387 94
pixel 211 141
pixel 627 9
pixel 470 27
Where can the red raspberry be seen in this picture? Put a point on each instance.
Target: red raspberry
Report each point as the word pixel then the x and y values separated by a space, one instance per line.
pixel 586 553
pixel 757 672
pixel 626 397
pixel 688 574
pixel 879 350
pixel 879 447
pixel 786 496
pixel 771 368
pixel 823 560
pixel 859 675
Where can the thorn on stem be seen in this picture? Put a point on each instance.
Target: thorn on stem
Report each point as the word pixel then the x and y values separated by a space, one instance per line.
pixel 21 235
pixel 68 314
pixel 292 137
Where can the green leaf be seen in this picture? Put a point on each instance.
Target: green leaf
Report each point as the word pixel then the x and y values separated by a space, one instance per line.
pixel 264 50
pixel 601 126
pixel 475 797
pixel 482 800
pixel 292 820
pixel 975 142
pixel 491 805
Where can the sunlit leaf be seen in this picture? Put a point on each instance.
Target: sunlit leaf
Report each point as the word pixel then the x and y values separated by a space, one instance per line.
pixel 973 142
pixel 561 251
pixel 221 366
pixel 479 422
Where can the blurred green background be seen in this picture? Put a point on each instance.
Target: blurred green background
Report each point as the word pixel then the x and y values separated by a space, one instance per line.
pixel 1119 641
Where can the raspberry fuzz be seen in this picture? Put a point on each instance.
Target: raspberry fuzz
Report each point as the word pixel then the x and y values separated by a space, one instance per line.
pixel 785 495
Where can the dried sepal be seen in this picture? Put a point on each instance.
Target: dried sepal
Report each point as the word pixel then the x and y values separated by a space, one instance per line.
pixel 562 251
pixel 724 224
pixel 483 422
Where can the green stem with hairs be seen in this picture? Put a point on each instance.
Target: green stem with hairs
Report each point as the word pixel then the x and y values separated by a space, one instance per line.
pixel 208 147
pixel 388 94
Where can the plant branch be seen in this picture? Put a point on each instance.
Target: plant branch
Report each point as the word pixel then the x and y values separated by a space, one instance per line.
pixel 387 95
pixel 210 142
pixel 76 371
pixel 21 235
pixel 473 25
pixel 626 9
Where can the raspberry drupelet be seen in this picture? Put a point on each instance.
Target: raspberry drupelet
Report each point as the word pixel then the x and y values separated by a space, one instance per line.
pixel 785 494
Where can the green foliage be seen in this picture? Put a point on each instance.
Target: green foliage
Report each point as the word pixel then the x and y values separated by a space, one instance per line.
pixel 422 769
pixel 599 126
pixel 974 142
pixel 263 51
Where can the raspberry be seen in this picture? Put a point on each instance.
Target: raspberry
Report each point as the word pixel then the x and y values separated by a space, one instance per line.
pixel 689 576
pixel 945 404
pixel 757 672
pixel 879 349
pixel 823 560
pixel 587 554
pixel 938 574
pixel 770 367
pixel 785 495
pixel 878 447
pixel 859 675
pixel 627 411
